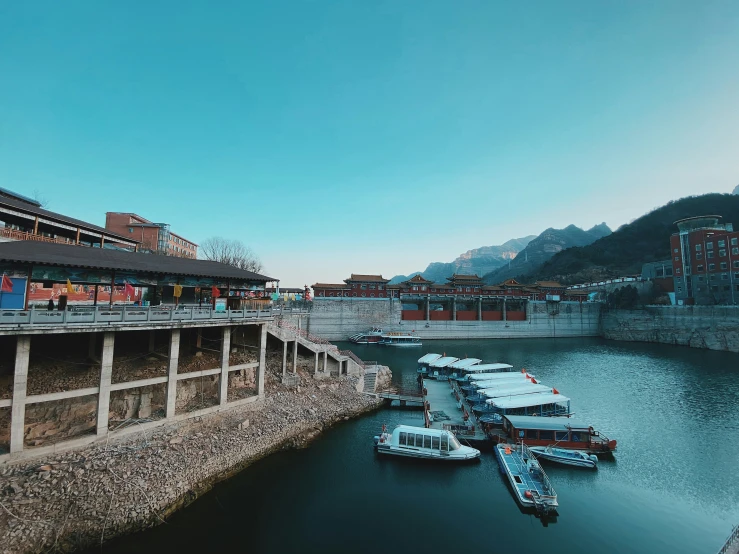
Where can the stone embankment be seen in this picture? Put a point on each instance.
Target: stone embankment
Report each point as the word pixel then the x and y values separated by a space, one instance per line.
pixel 83 497
pixel 710 327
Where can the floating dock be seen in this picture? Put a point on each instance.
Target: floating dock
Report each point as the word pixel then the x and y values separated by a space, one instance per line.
pixel 443 411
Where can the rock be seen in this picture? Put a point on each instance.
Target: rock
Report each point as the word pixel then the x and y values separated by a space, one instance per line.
pixel 176 440
pixel 244 425
pixel 43 468
pixel 198 354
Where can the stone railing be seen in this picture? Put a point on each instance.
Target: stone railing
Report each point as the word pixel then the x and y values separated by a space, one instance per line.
pixel 303 333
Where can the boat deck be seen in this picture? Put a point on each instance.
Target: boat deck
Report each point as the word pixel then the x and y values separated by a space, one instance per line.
pixel 444 405
pixel 522 480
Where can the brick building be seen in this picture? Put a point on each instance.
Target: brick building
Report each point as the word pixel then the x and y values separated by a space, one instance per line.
pixel 152 236
pixel 705 261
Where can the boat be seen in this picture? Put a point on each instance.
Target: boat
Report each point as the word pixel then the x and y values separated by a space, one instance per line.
pixel 539 404
pixel 560 432
pixel 423 443
pixel 425 360
pixel 400 339
pixel 563 456
pixel 530 484
pixel 487 368
pixel 370 337
pixel 437 367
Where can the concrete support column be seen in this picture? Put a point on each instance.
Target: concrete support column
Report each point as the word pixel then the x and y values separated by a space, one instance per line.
pixel 152 340
pixel 315 368
pixel 199 339
pixel 284 358
pixel 225 353
pixel 106 376
pixel 505 317
pixel 454 309
pixel 262 361
pixel 428 308
pixel 325 361
pixel 174 356
pixel 20 379
pixel 479 309
pixel 295 356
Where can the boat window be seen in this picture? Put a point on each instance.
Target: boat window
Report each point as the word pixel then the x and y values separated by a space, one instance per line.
pixel 561 435
pixel 444 443
pixel 517 479
pixel 575 437
pixel 546 435
pixel 532 434
pixel 402 437
pixel 435 443
pixel 427 441
pixel 453 443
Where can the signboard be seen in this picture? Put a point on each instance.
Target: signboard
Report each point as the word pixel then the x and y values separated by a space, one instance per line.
pixel 220 304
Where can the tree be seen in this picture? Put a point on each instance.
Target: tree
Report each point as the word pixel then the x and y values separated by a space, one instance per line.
pixel 231 252
pixel 40 198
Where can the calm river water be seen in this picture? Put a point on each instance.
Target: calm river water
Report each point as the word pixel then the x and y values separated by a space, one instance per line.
pixel 672 487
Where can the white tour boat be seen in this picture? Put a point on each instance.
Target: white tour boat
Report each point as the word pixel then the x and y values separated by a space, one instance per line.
pixel 400 339
pixel 419 442
pixel 563 456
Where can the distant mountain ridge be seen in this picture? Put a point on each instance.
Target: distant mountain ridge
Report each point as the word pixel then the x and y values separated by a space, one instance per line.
pixel 476 261
pixel 543 247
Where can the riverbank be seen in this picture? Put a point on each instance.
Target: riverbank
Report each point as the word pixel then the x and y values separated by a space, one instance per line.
pixel 81 498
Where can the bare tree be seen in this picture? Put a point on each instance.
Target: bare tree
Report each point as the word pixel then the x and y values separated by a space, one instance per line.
pixel 232 252
pixel 40 198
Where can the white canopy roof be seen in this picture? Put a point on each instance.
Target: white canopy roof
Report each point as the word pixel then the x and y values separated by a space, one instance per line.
pixel 428 358
pixel 443 362
pixel 495 376
pixel 488 367
pixel 503 385
pixel 465 363
pixel 526 400
pixel 515 391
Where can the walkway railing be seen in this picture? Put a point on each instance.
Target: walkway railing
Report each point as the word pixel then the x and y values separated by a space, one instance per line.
pixel 734 537
pixel 96 315
pixel 23 235
pixel 306 335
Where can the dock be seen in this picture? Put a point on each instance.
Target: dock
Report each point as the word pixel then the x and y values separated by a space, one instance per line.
pixel 444 412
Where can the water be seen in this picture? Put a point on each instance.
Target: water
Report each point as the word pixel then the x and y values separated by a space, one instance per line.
pixel 672 487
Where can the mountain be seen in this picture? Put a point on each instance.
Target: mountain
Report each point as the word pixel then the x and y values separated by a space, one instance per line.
pixel 543 247
pixel 479 260
pixel 646 239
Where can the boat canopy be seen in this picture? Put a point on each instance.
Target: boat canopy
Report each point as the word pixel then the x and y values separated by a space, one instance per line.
pixel 499 383
pixel 515 391
pixel 488 367
pixel 504 385
pixel 428 358
pixel 465 363
pixel 527 400
pixel 546 423
pixel 443 362
pixel 498 376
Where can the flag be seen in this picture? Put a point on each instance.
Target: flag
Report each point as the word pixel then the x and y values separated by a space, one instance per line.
pixel 70 290
pixel 177 291
pixel 215 292
pixel 128 290
pixel 7 284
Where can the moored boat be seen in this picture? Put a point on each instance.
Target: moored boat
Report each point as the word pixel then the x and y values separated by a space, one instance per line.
pixel 530 484
pixel 400 339
pixel 425 360
pixel 559 432
pixel 576 458
pixel 372 336
pixel 423 443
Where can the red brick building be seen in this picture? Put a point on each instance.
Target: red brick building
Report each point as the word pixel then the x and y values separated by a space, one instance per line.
pixel 152 236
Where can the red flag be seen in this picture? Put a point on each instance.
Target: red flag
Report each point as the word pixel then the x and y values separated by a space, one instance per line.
pixel 7 285
pixel 215 292
pixel 129 290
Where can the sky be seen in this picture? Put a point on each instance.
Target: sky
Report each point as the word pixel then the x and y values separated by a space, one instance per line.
pixel 368 136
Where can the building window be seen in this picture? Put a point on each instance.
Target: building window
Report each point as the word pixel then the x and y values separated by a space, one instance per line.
pixel 722 253
pixel 372 287
pixel 130 229
pixel 423 288
pixel 380 287
pixel 679 288
pixel 734 241
pixel 736 264
pixel 700 278
pixel 677 259
pixel 723 265
pixel 699 256
pixel 722 244
pixel 697 248
pixel 711 267
pixel 414 287
pixel 677 270
pixel 736 276
pixel 709 254
pixel 700 268
pixel 363 287
pixel 724 276
pixel 709 246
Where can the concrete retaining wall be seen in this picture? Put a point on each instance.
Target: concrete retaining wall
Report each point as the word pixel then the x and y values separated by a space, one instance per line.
pixel 338 319
pixel 711 327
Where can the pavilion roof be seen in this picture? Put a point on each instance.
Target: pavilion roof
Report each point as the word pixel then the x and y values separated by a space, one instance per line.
pixel 549 284
pixel 330 286
pixel 368 278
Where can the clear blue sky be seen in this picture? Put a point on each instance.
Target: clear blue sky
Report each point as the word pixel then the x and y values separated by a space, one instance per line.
pixel 368 136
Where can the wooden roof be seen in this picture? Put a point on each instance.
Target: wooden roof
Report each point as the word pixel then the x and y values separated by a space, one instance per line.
pixel 342 286
pixel 367 278
pixel 418 279
pixel 549 284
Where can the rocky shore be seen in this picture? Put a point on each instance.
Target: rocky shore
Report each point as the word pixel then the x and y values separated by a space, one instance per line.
pixel 84 497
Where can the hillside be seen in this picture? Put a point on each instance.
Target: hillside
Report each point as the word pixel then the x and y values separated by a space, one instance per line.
pixel 646 239
pixel 543 247
pixel 479 260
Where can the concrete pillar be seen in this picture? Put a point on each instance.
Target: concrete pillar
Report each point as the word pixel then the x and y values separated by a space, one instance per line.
pixel 174 356
pixel 92 346
pixel 199 339
pixel 262 361
pixel 284 358
pixel 504 313
pixel 315 368
pixel 106 376
pixel 454 309
pixel 152 340
pixel 325 361
pixel 479 309
pixel 295 356
pixel 225 353
pixel 20 379
pixel 428 308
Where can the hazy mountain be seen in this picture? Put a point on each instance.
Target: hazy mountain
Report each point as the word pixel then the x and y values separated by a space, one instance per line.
pixel 543 247
pixel 479 260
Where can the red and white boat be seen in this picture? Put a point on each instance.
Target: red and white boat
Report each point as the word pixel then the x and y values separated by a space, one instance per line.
pixel 370 337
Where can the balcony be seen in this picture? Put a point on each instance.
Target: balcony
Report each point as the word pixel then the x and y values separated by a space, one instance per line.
pixel 12 234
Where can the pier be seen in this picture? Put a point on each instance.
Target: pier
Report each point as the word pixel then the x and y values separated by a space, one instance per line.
pixel 443 411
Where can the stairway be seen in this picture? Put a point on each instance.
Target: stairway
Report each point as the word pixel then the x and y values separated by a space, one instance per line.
pixel 370 379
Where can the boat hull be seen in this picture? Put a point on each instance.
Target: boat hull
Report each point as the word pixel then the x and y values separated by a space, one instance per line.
pixel 585 462
pixel 421 455
pixel 522 482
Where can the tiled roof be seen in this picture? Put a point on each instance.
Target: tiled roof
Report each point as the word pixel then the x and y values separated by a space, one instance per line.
pixel 342 286
pixel 47 253
pixel 370 278
pixel 462 277
pixel 549 284
pixel 417 279
pixel 510 283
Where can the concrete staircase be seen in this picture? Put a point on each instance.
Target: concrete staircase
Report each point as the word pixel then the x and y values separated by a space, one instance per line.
pixel 370 379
